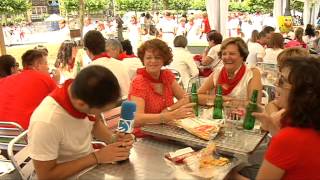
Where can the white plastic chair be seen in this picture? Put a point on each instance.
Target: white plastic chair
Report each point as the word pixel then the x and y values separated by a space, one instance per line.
pixel 21 160
pixel 8 131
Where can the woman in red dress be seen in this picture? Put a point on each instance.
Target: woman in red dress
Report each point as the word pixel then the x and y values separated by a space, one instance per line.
pixel 154 89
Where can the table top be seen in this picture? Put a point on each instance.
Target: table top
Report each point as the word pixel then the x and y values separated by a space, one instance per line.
pixel 243 142
pixel 146 161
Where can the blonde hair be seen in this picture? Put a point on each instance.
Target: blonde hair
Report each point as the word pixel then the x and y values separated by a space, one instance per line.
pixel 291 52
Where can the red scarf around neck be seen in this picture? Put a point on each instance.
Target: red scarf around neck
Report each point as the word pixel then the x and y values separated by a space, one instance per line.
pixel 145 74
pixel 229 84
pixel 124 55
pixel 61 96
pixel 104 54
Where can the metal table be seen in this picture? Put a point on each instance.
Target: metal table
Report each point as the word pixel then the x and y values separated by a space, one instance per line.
pixel 242 143
pixel 146 161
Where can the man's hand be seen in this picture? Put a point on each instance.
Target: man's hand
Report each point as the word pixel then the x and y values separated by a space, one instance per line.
pixel 113 152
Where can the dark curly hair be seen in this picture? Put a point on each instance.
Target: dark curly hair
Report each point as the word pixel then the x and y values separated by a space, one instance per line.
pixel 310 31
pixel 156 46
pixel 6 63
pixel 64 56
pixel 304 97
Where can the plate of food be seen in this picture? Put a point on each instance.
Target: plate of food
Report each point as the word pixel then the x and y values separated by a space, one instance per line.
pixel 205 163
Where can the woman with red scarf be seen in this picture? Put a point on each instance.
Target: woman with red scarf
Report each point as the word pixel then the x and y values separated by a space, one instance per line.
pixel 153 89
pixel 237 80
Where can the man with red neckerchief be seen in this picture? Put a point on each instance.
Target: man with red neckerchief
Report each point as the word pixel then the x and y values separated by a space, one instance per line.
pixel 21 93
pixel 62 127
pixel 96 50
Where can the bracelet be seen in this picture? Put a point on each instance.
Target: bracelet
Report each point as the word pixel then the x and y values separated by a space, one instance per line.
pixel 96 157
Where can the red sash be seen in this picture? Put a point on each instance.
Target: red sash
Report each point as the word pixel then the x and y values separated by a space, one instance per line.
pixel 61 96
pixel 104 54
pixel 229 84
pixel 124 55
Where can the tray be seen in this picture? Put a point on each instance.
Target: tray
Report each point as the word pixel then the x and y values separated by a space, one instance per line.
pixel 243 142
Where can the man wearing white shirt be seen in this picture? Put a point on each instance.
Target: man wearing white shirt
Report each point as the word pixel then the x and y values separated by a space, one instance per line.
pixel 167 28
pixel 96 50
pixel 88 26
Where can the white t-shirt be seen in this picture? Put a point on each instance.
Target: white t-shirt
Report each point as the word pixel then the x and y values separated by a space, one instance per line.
pixel 116 67
pixel 213 53
pixel 272 55
pixel 256 50
pixel 54 134
pixel 132 64
pixel 184 64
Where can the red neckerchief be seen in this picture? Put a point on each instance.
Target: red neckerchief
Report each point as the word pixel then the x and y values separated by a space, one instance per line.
pixel 61 96
pixel 104 54
pixel 124 55
pixel 146 75
pixel 229 84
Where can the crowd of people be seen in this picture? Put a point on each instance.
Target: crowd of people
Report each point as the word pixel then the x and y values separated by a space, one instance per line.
pixel 64 105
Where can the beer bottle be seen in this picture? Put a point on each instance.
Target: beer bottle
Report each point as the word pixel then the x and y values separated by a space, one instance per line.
pixel 249 120
pixel 194 99
pixel 78 67
pixel 218 104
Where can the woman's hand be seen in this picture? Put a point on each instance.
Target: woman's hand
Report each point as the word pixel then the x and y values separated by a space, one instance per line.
pixel 184 111
pixel 271 122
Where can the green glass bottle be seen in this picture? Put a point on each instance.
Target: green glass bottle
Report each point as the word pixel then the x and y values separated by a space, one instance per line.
pixel 194 99
pixel 218 104
pixel 249 120
pixel 78 67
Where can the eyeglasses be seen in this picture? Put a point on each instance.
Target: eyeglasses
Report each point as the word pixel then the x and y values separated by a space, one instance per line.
pixel 282 81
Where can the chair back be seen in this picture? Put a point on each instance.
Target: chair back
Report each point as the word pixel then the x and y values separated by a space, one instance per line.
pixel 8 131
pixel 177 75
pixel 21 160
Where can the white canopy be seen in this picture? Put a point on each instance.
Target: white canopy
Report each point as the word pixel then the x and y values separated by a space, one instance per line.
pixel 218 15
pixel 54 17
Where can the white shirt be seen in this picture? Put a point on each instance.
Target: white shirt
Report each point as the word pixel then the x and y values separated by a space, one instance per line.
pixel 132 64
pixel 256 50
pixel 117 68
pixel 88 28
pixel 272 55
pixel 240 91
pixel 54 134
pixel 184 64
pixel 213 53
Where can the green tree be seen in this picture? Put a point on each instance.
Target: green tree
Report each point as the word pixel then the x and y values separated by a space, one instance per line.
pixel 14 6
pixel 96 5
pixel 296 5
pixel 264 6
pixel 198 5
pixel 179 4
pixel 133 5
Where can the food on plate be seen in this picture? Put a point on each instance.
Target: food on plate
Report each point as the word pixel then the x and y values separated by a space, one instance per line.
pixel 207 158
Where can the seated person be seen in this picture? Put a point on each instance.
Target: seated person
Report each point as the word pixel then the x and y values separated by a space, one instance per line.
pixel 210 55
pixel 183 60
pixel 63 125
pixel 154 89
pixel 113 48
pixel 295 146
pixel 129 59
pixel 274 106
pixel 21 93
pixel 237 80
pixel 65 60
pixel 297 41
pixel 274 49
pixel 8 66
pixel 96 49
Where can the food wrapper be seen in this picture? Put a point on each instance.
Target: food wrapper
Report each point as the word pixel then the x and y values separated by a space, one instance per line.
pixel 205 164
pixel 202 128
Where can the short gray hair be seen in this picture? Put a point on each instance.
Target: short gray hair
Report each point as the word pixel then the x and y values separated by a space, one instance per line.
pixel 113 44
